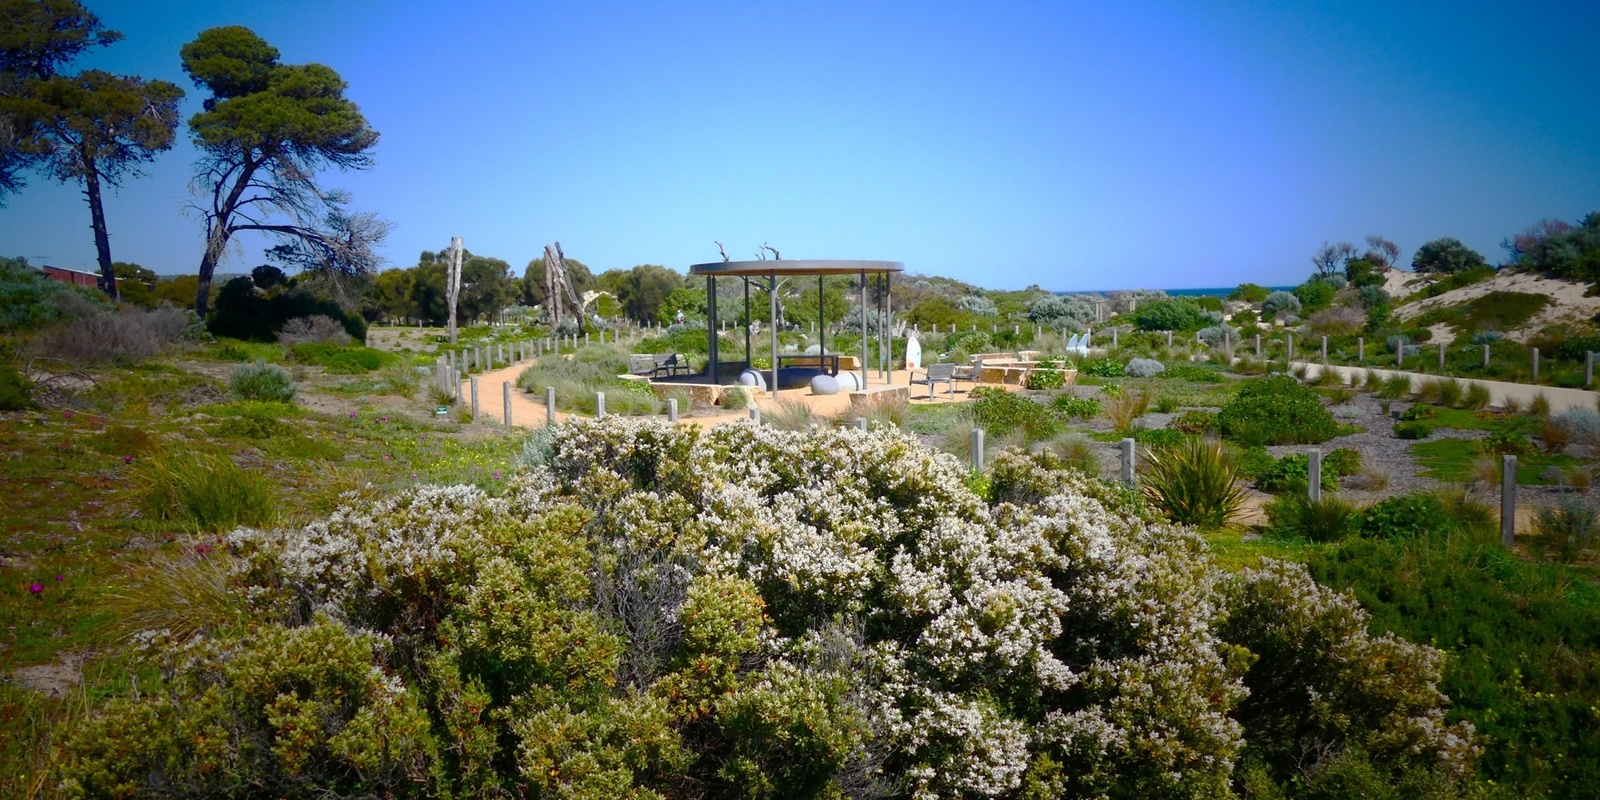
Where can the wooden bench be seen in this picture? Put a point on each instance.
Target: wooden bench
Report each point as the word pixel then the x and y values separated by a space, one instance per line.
pixel 936 374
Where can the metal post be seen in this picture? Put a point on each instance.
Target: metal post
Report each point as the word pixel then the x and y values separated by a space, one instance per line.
pixel 772 293
pixel 864 330
pixel 599 404
pixel 1314 476
pixel 505 391
pixel 550 404
pixel 1536 363
pixel 672 409
pixel 1508 500
pixel 861 423
pixel 475 411
pixel 977 449
pixel 1127 461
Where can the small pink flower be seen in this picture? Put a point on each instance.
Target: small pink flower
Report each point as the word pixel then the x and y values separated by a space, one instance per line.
pixel 127 459
pixel 36 588
pixel 59 578
pixel 497 474
pixel 352 415
pixel 202 549
pixel 68 415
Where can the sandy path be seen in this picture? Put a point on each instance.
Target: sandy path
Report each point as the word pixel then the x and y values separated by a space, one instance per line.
pixel 1560 399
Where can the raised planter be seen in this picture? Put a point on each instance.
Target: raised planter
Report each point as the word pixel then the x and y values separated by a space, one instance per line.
pixel 862 399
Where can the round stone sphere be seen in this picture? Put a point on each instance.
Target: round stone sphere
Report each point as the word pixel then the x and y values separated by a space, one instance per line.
pixel 848 381
pixel 824 384
pixel 751 377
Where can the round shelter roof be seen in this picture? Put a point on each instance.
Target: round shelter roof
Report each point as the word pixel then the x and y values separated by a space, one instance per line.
pixel 802 266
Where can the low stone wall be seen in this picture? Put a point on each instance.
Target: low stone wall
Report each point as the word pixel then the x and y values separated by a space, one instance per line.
pixel 863 399
pixel 702 394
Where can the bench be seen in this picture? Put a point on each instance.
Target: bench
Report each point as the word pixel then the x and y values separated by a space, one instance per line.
pixel 936 374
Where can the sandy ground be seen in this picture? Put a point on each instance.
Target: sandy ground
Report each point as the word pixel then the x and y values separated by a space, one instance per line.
pixel 1560 399
pixel 527 410
pixel 1568 303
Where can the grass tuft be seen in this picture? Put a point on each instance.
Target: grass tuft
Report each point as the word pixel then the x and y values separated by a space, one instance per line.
pixel 201 492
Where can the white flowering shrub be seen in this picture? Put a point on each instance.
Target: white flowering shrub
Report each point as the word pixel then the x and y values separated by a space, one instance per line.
pixel 665 611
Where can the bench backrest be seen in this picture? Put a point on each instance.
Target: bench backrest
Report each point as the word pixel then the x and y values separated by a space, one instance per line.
pixel 641 361
pixel 941 372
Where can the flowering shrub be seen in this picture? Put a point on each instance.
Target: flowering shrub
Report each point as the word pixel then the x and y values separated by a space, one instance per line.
pixel 665 611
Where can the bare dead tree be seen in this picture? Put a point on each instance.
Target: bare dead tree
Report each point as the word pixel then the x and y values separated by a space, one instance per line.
pixel 723 251
pixel 560 297
pixel 1381 251
pixel 1330 258
pixel 775 255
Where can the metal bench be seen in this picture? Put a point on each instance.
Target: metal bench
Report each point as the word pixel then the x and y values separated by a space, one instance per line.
pixel 936 374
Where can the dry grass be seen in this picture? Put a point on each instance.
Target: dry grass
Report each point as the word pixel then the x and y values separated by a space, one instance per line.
pixel 789 414
pixel 1076 450
pixel 186 596
pixel 1512 405
pixel 1123 407
pixel 315 328
pixel 1373 478
pixel 1555 436
pixel 1540 407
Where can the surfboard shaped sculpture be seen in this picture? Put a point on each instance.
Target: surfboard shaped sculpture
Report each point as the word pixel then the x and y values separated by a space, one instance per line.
pixel 913 353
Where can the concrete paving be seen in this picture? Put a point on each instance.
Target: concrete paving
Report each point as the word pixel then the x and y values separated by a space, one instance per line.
pixel 1560 399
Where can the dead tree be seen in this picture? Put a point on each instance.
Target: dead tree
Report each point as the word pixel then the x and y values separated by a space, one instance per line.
pixel 558 287
pixel 453 282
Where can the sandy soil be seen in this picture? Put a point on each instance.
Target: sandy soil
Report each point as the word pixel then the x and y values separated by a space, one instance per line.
pixel 1568 303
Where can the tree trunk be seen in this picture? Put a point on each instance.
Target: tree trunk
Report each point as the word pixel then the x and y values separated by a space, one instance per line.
pixel 97 217
pixel 215 245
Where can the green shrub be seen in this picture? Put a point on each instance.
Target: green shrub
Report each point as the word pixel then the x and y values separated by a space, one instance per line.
pixel 1047 375
pixel 1103 367
pixel 1195 371
pixel 1001 413
pixel 1412 430
pixel 1166 404
pixel 1418 412
pixel 201 492
pixel 1343 462
pixel 1074 407
pixel 1249 293
pixel 340 360
pixel 1298 516
pixel 262 381
pixel 1168 314
pixel 1290 475
pixel 16 393
pixel 1566 529
pixel 1404 517
pixel 1192 483
pixel 1195 421
pixel 243 312
pixel 1158 437
pixel 29 300
pixel 1507 441
pixel 1277 410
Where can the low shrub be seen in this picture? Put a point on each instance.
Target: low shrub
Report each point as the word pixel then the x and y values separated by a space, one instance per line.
pixel 1487 337
pixel 1291 475
pixel 1195 371
pixel 1103 367
pixel 1507 441
pixel 1157 437
pixel 1076 451
pixel 1298 516
pixel 1566 529
pixel 30 301
pixel 262 381
pixel 319 328
pixel 201 492
pixel 1582 426
pixel 1404 517
pixel 1195 421
pixel 339 359
pixel 1192 483
pixel 1144 368
pixel 1001 413
pixel 1419 411
pixel 1412 430
pixel 1343 462
pixel 16 392
pixel 1166 404
pixel 1167 314
pixel 1047 375
pixel 1277 410
pixel 1074 407
pixel 95 334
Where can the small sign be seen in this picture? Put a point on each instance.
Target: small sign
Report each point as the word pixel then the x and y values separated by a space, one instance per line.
pixel 441 410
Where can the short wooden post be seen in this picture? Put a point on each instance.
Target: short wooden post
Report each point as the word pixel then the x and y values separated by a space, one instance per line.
pixel 550 404
pixel 1486 356
pixel 1361 349
pixel 1536 363
pixel 505 391
pixel 1113 338
pixel 599 404
pixel 1324 349
pixel 1016 330
pixel 861 422
pixel 1508 500
pixel 1441 358
pixel 1127 461
pixel 1314 475
pixel 672 409
pixel 977 449
pixel 455 384
pixel 1588 368
pixel 1399 352
pixel 755 414
pixel 1288 349
pixel 475 412
pixel 585 338
pixel 1169 338
pixel 439 373
pixel 1258 347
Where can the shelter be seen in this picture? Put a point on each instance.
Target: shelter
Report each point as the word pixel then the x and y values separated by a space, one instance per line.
pixel 750 272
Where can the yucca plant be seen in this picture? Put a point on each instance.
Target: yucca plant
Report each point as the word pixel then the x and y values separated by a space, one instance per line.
pixel 1193 483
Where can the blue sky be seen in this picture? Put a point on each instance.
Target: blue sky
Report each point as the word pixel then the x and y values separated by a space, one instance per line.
pixel 1070 145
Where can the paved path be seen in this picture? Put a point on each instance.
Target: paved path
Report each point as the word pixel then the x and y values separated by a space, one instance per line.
pixel 1560 399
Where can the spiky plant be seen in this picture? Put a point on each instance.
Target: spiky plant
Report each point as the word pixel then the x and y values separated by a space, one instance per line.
pixel 1395 386
pixel 1476 397
pixel 1326 520
pixel 1193 483
pixel 1540 407
pixel 1450 391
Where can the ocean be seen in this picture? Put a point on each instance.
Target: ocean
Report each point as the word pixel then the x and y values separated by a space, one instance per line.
pixel 1222 291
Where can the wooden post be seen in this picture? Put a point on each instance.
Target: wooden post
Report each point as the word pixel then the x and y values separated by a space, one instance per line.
pixel 1588 368
pixel 1324 350
pixel 1127 461
pixel 1399 352
pixel 1258 347
pixel 672 409
pixel 474 382
pixel 455 383
pixel 1536 363
pixel 1314 476
pixel 1169 338
pixel 1113 338
pixel 505 391
pixel 550 404
pixel 599 404
pixel 1288 352
pixel 1486 356
pixel 977 449
pixel 1441 358
pixel 1508 500
pixel 1361 349
pixel 861 422
pixel 755 414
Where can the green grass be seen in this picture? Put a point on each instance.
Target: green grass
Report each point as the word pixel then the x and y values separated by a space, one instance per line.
pixel 1466 420
pixel 1501 311
pixel 1452 459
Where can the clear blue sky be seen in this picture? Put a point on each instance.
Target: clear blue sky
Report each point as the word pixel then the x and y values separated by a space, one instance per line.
pixel 1072 145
